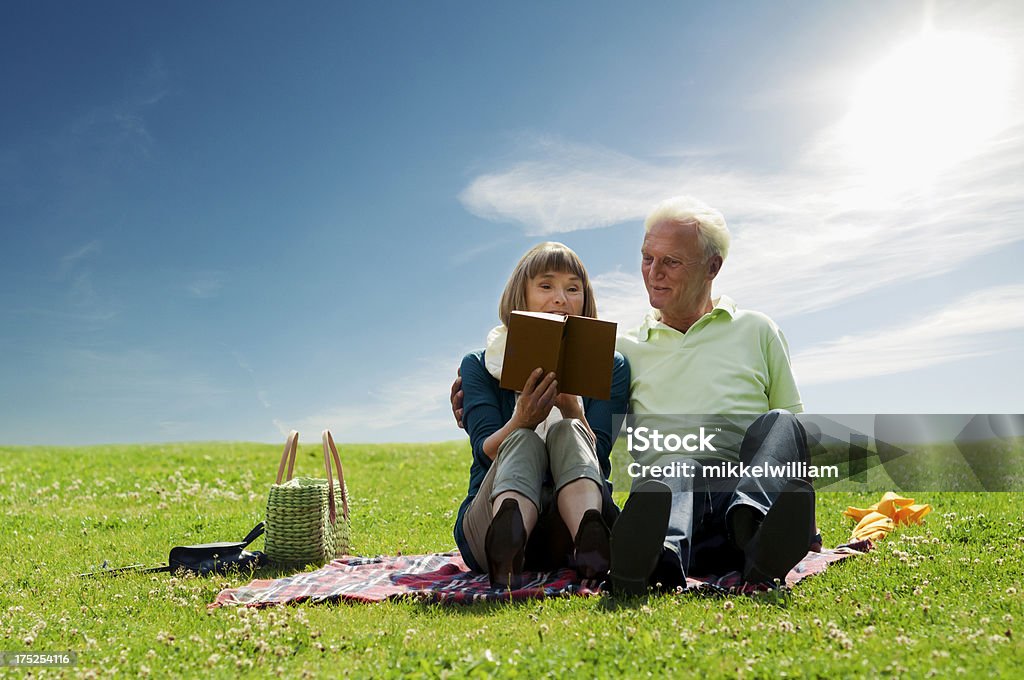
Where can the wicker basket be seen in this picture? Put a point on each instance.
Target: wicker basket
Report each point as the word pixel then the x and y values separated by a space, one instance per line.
pixel 303 526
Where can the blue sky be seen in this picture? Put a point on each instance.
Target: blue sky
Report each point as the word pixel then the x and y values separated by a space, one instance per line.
pixel 223 221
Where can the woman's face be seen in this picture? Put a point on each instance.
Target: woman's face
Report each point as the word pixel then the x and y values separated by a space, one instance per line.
pixel 555 292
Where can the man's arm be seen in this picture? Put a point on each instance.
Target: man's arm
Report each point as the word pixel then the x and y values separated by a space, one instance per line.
pixel 456 399
pixel 782 390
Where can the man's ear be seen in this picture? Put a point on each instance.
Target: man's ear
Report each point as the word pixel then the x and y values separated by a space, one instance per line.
pixel 714 266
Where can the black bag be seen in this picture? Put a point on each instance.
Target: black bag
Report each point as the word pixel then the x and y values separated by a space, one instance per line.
pixel 202 559
pixel 209 558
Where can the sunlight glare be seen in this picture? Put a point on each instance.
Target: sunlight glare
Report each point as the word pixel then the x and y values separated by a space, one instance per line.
pixel 929 104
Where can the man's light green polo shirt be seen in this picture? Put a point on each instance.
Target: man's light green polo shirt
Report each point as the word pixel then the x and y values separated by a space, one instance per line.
pixel 730 361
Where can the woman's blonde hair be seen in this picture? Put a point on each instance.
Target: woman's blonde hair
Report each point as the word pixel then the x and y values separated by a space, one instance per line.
pixel 542 258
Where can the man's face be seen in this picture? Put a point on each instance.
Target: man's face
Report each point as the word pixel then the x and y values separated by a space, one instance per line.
pixel 674 269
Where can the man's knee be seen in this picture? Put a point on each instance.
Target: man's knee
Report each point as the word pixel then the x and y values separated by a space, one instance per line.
pixel 781 431
pixel 775 418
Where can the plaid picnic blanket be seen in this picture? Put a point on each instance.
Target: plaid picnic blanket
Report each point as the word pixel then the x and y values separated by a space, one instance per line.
pixel 444 577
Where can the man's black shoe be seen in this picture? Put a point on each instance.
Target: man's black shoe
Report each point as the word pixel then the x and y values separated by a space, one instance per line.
pixel 781 541
pixel 638 537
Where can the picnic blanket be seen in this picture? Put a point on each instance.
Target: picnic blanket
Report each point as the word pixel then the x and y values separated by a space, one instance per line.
pixel 444 577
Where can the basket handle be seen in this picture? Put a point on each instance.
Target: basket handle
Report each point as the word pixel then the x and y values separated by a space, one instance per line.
pixel 291 445
pixel 331 450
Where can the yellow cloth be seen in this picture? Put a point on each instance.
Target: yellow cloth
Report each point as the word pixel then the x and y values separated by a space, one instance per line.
pixel 877 521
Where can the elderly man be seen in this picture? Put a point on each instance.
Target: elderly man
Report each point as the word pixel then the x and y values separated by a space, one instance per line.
pixel 696 358
pixel 695 355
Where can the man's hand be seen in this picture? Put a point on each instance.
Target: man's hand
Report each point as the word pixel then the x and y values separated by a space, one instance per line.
pixel 457 399
pixel 536 400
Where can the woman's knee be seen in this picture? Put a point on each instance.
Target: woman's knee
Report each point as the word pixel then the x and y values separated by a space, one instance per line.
pixel 573 457
pixel 567 427
pixel 568 438
pixel 522 462
pixel 525 442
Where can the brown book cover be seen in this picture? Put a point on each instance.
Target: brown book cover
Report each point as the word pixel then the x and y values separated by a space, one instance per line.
pixel 579 349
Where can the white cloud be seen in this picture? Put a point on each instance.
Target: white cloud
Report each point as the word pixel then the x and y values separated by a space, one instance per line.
pixel 205 285
pixel 964 328
pixel 72 258
pixel 139 379
pixel 621 297
pixel 569 187
pixel 82 301
pixel 828 226
pixel 114 134
pixel 412 407
pixel 473 252
pixel 804 239
pixel 86 304
pixel 262 395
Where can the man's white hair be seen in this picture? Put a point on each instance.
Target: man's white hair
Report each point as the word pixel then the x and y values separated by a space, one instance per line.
pixel 712 232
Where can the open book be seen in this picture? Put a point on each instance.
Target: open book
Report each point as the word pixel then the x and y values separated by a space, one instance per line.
pixel 579 349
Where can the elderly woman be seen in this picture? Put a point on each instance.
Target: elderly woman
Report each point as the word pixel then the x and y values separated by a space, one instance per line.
pixel 539 496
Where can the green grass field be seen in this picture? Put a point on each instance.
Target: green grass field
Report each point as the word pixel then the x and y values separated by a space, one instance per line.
pixel 943 598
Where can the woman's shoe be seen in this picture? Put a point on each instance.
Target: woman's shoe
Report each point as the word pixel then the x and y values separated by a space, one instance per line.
pixel 593 551
pixel 505 544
